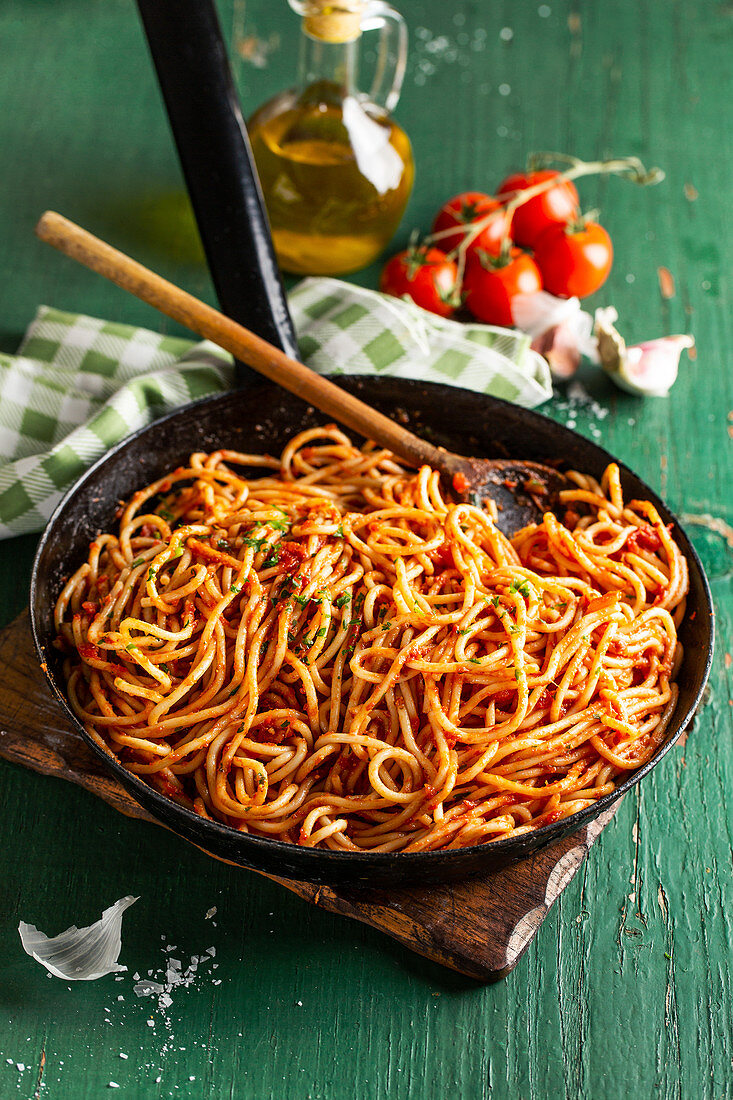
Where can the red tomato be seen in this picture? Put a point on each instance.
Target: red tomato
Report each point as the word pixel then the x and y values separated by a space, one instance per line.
pixel 491 283
pixel 556 206
pixel 461 211
pixel 574 261
pixel 424 274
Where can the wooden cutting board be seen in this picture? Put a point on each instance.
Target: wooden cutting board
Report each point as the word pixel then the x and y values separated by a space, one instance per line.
pixel 479 928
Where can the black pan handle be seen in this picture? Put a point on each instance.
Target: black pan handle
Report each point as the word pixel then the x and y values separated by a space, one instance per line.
pixel 193 69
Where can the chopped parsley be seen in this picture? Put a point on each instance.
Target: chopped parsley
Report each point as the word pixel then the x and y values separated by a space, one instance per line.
pixel 278 524
pixel 236 588
pixel 136 562
pixel 273 558
pixel 342 599
pixel 522 587
pixel 151 572
pixel 257 544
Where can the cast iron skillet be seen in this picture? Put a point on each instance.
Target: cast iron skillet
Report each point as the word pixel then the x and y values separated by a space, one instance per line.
pixel 261 419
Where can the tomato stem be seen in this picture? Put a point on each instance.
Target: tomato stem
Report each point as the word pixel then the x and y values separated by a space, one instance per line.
pixel 629 167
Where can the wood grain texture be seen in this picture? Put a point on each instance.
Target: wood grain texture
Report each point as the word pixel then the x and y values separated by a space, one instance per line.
pixel 480 928
pixel 627 990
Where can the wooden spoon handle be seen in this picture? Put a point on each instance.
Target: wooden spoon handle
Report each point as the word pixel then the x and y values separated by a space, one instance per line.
pixel 87 249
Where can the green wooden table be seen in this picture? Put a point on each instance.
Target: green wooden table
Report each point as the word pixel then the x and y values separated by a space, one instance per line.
pixel 627 991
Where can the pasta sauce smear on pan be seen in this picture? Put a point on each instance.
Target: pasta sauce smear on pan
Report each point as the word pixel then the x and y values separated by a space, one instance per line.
pixel 325 649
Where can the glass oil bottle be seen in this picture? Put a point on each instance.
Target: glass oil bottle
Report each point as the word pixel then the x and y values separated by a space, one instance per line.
pixel 336 170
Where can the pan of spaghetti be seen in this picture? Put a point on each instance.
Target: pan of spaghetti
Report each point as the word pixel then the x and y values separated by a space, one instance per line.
pixel 309 659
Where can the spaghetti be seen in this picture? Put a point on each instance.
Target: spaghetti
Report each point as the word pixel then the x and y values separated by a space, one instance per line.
pixel 331 652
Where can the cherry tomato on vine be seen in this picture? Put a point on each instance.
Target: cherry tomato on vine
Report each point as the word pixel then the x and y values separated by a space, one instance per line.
pixel 491 282
pixel 461 211
pixel 556 206
pixel 574 259
pixel 425 275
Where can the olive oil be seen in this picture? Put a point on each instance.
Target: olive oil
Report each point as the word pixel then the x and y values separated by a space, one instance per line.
pixel 336 170
pixel 336 181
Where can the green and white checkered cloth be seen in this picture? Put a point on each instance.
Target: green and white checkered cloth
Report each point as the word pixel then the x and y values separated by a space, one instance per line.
pixel 78 385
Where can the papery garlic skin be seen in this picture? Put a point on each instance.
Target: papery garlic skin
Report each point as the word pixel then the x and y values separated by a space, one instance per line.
pixel 561 331
pixel 648 369
pixel 651 368
pixel 80 954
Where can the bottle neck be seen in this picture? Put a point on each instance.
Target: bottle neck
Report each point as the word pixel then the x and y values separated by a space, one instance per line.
pixel 331 65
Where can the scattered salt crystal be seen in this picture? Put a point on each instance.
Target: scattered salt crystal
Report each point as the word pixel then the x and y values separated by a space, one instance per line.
pixel 211 912
pixel 145 988
pixel 113 1085
pixel 506 34
pixel 150 1023
pixel 9 1061
pixel 505 89
pixel 544 11
pixel 136 977
pixel 299 1004
pixel 20 1066
pixel 120 998
pixel 630 278
pixel 165 1000
pixel 158 1079
pixel 125 1056
pixel 192 1078
pixel 211 951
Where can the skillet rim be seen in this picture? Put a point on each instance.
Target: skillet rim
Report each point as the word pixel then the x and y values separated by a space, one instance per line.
pixel 325 865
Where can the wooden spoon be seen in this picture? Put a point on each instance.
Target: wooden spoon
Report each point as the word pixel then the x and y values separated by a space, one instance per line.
pixel 523 491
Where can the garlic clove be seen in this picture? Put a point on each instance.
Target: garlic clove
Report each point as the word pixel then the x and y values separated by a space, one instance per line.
pixel 648 369
pixel 561 331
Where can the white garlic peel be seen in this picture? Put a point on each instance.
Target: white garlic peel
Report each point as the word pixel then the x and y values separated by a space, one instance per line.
pixel 80 954
pixel 560 330
pixel 648 369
